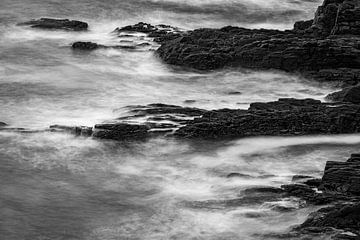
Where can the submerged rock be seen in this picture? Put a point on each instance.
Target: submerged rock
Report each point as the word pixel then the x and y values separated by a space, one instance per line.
pixel 76 130
pixel 62 24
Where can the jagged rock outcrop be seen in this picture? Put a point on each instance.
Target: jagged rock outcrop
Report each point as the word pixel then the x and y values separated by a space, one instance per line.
pixel 337 17
pixel 349 94
pixel 62 24
pixel 280 118
pixel 345 217
pixel 342 177
pixel 325 48
pixel 120 131
pixel 284 117
pixel 160 33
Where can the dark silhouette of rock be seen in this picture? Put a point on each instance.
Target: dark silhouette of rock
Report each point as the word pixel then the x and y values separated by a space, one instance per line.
pixel 342 216
pixel 325 48
pixel 300 178
pixel 280 118
pixel 62 24
pixel 2 124
pixel 342 177
pixel 349 94
pixel 160 33
pixel 313 182
pixel 86 46
pixel 120 131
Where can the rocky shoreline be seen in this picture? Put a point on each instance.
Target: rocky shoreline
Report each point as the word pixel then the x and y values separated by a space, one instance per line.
pixel 325 49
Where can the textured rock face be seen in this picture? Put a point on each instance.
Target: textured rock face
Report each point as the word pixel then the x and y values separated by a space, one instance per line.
pixel 120 131
pixel 283 117
pixel 62 24
pixel 349 94
pixel 160 33
pixel 337 17
pixel 343 177
pixel 343 217
pixel 325 48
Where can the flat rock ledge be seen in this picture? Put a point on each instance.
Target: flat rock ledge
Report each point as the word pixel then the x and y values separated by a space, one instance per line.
pixel 56 24
pixel 285 117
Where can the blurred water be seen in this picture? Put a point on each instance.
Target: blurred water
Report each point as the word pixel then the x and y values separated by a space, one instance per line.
pixel 56 186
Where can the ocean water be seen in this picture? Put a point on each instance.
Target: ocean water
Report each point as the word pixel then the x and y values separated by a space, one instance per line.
pixel 57 186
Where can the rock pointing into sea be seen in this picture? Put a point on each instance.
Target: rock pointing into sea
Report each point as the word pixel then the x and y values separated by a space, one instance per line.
pixel 57 24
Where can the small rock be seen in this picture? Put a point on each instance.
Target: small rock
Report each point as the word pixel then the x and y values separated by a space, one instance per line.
pixel 300 178
pixel 85 46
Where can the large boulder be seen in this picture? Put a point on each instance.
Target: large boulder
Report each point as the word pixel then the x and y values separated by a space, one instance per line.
pixel 62 24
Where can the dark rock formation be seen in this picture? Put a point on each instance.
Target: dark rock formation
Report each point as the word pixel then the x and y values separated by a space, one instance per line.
pixel 337 17
pixel 326 48
pixel 313 182
pixel 283 117
pixel 345 217
pixel 160 33
pixel 86 46
pixel 342 177
pixel 349 94
pixel 62 24
pixel 2 124
pixel 120 131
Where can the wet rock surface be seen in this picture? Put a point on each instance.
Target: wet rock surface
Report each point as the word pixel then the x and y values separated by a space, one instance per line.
pixel 160 33
pixel 56 24
pixel 281 118
pixel 285 117
pixel 349 94
pixel 342 177
pixel 325 48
